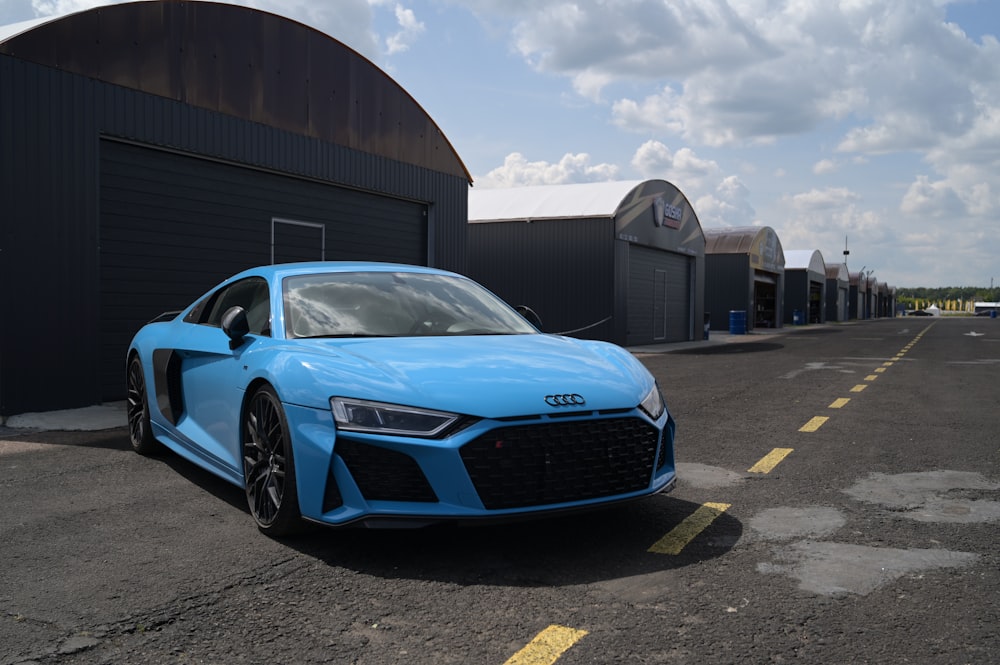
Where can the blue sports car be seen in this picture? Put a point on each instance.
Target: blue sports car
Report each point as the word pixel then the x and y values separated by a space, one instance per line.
pixel 392 395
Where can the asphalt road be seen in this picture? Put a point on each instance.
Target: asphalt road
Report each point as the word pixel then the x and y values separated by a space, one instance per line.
pixel 871 537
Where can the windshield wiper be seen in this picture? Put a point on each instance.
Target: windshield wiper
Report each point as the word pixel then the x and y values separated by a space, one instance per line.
pixel 341 336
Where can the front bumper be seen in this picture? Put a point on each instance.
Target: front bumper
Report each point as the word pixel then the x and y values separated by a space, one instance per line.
pixel 492 469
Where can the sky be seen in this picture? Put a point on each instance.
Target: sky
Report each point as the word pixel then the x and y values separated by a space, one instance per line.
pixel 870 125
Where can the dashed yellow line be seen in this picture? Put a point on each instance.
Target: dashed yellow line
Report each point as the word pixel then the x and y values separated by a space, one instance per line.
pixel 771 460
pixel 871 377
pixel 858 388
pixel 840 403
pixel 814 423
pixel 547 646
pixel 682 534
pixel 879 370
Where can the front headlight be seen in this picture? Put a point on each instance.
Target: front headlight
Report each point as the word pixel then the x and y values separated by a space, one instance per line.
pixel 652 404
pixel 358 415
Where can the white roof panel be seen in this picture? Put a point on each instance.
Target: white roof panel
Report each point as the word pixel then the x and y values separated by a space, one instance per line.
pixel 592 199
pixel 14 29
pixel 805 259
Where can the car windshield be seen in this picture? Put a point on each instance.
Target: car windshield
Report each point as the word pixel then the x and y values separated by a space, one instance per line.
pixel 394 304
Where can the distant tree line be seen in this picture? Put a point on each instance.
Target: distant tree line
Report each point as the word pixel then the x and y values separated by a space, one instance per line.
pixel 947 294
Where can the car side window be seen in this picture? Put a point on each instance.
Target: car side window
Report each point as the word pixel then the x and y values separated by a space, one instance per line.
pixel 252 295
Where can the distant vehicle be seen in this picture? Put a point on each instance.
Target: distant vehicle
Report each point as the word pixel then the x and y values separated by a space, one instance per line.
pixel 987 312
pixel 393 395
pixel 920 312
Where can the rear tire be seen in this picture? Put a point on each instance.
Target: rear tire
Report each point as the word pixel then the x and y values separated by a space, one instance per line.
pixel 140 431
pixel 268 465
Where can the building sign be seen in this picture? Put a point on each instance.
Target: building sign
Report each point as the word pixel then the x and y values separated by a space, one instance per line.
pixel 766 253
pixel 656 214
pixel 665 214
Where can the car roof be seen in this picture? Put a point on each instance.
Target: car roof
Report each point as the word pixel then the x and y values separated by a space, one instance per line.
pixel 282 270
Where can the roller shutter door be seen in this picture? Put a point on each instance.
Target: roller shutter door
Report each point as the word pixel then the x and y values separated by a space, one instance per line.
pixel 659 296
pixel 172 226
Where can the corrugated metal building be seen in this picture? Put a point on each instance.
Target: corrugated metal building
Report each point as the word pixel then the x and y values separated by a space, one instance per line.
pixel 858 300
pixel 805 286
pixel 147 153
pixel 885 300
pixel 838 285
pixel 744 272
pixel 617 261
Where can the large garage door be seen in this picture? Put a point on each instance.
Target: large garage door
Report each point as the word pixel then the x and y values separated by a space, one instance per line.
pixel 172 226
pixel 659 296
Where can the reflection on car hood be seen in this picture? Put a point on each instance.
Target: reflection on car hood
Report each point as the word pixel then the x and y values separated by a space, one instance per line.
pixel 487 376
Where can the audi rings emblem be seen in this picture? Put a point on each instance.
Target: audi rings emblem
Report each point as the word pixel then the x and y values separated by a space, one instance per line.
pixel 565 400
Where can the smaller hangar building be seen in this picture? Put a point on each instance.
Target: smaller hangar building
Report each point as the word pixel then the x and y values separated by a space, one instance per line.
pixel 805 287
pixel 617 261
pixel 744 272
pixel 838 284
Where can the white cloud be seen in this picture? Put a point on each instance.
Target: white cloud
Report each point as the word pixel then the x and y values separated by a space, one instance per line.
pixel 728 205
pixel 605 40
pixel 518 172
pixel 746 72
pixel 410 30
pixel 822 199
pixel 932 199
pixel 685 169
pixel 824 166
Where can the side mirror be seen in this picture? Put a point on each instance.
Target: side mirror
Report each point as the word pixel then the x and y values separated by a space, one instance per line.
pixel 235 325
pixel 529 315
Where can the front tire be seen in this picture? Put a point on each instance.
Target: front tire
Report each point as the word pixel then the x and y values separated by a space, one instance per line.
pixel 140 431
pixel 268 465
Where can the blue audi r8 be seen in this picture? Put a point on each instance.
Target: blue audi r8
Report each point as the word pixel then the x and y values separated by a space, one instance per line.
pixel 384 394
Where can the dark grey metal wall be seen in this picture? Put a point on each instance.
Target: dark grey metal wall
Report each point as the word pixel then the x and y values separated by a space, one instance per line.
pixel 51 126
pixel 564 270
pixel 728 286
pixel 173 225
pixel 804 291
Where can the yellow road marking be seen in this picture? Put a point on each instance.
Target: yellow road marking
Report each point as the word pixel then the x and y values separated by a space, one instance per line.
pixel 685 532
pixel 814 424
pixel 887 364
pixel 840 402
pixel 871 377
pixel 858 388
pixel 547 646
pixel 769 461
pixel 879 370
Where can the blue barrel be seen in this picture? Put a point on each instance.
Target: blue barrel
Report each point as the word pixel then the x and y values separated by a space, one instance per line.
pixel 993 314
pixel 797 317
pixel 737 322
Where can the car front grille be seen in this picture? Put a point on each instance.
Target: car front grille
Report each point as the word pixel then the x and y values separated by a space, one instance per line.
pixel 556 462
pixel 385 475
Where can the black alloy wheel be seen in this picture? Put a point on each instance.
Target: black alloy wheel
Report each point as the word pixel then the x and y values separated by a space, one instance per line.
pixel 268 467
pixel 140 432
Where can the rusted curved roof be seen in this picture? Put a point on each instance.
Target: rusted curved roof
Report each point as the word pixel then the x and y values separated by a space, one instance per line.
pixel 732 240
pixel 245 63
pixel 760 243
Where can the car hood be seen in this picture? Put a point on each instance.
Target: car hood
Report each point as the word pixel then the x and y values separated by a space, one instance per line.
pixel 487 376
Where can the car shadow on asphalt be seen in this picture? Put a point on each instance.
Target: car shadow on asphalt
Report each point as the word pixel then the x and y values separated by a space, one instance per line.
pixel 575 548
pixel 730 347
pixel 108 439
pixel 579 548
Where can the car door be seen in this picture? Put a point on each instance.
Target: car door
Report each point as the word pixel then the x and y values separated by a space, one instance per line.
pixel 212 375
